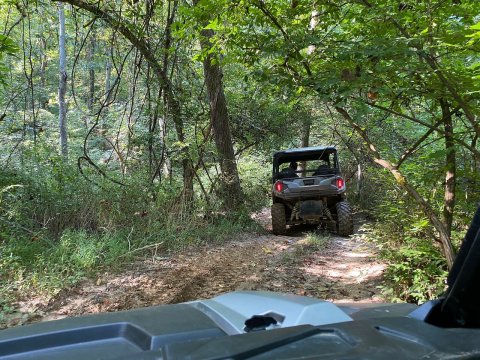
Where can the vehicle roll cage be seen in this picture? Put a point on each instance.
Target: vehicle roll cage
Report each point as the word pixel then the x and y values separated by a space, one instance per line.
pixel 304 154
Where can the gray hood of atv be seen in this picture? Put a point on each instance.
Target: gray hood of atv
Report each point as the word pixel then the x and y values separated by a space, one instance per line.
pixel 230 311
pixel 215 329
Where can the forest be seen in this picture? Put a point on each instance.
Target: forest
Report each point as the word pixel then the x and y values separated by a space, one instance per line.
pixel 139 128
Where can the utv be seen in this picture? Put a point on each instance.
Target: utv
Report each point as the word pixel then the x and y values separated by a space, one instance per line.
pixel 309 190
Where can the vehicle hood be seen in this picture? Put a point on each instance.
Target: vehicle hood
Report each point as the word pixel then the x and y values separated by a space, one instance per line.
pixel 302 327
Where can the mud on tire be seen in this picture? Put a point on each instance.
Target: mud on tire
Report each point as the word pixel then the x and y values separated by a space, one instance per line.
pixel 344 218
pixel 279 221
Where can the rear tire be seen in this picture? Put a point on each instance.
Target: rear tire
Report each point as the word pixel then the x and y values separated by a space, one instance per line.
pixel 279 221
pixel 344 218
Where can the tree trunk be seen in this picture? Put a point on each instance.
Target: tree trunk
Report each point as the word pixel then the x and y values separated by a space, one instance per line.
pixel 108 74
pixel 450 166
pixel 312 26
pixel 306 124
pixel 43 72
pixel 359 179
pixel 174 108
pixel 166 163
pixel 305 142
pixel 62 87
pixel 305 135
pixel 91 71
pixel 444 237
pixel 231 191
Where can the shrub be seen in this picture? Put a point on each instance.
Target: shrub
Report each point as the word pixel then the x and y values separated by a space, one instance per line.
pixel 417 269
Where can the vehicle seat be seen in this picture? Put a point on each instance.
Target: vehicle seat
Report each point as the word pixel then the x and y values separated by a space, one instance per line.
pixel 286 173
pixel 323 169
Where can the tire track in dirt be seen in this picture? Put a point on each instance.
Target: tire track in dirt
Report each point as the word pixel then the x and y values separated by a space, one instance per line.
pixel 343 270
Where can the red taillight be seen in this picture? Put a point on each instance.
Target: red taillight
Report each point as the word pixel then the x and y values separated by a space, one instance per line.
pixel 340 183
pixel 279 186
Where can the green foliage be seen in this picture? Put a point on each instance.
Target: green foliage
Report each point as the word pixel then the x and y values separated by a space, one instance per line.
pixel 415 275
pixel 57 228
pixel 416 269
pixel 256 175
pixel 7 47
pixel 45 266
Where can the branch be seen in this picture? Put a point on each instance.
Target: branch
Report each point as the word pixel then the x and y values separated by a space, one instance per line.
pixel 402 181
pixel 136 40
pixel 438 71
pixel 142 45
pixel 95 166
pixel 425 136
pixel 267 13
pixel 414 147
pixel 421 122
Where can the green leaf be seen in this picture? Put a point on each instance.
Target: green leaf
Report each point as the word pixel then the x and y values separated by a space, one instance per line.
pixel 214 25
pixel 7 45
pixel 476 26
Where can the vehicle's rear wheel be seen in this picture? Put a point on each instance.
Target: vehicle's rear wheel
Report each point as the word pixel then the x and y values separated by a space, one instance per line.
pixel 344 218
pixel 279 221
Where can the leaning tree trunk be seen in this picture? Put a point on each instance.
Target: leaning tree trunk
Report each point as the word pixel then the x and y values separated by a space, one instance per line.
pixel 231 191
pixel 450 166
pixel 444 237
pixel 62 87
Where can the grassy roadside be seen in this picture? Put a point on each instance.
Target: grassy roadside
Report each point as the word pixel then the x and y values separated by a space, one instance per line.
pixel 43 266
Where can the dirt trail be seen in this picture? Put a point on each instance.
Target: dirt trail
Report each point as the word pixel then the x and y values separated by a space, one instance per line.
pixel 343 270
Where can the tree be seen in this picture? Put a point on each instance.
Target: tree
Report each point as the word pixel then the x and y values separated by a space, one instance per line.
pixel 403 182
pixel 231 191
pixel 62 85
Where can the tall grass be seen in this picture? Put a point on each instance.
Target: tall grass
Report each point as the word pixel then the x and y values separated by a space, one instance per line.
pixel 57 228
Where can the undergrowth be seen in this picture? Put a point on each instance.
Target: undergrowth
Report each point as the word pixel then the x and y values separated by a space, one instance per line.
pixel 416 267
pixel 57 230
pixel 416 270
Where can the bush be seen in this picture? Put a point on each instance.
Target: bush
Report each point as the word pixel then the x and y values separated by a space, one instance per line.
pixel 256 174
pixel 417 269
pixel 416 272
pixel 56 228
pixel 43 266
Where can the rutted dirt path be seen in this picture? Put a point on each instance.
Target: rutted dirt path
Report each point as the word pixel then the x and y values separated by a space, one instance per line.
pixel 340 269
